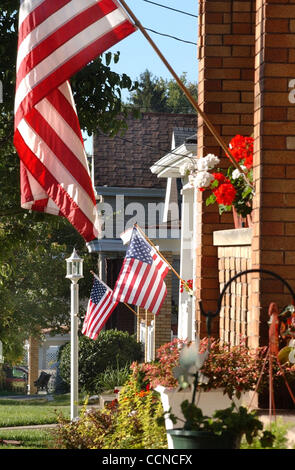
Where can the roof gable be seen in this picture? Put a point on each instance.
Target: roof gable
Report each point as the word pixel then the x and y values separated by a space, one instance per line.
pixel 125 161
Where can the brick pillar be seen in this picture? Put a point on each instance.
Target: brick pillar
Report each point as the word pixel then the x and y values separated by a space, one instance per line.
pixel 274 159
pixel 226 75
pixel 33 364
pixel 234 256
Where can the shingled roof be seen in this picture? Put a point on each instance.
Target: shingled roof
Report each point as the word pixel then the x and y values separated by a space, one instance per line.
pixel 126 161
pixel 181 134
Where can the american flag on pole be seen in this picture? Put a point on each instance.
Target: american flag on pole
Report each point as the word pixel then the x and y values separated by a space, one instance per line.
pixel 100 306
pixel 141 279
pixel 56 39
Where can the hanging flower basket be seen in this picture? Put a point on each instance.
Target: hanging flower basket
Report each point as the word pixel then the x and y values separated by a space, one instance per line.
pixel 231 189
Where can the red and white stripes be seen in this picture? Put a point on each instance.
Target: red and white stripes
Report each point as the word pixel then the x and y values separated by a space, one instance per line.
pixel 56 39
pixel 141 283
pixel 98 314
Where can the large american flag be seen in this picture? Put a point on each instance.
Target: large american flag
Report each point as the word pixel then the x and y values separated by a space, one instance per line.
pixel 100 306
pixel 141 279
pixel 56 39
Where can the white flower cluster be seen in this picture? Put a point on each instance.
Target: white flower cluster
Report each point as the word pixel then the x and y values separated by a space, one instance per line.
pixel 198 170
pixel 201 164
pixel 236 173
pixel 187 168
pixel 207 163
pixel 202 179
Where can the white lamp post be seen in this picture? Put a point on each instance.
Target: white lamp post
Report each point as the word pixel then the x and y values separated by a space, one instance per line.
pixel 1 353
pixel 74 273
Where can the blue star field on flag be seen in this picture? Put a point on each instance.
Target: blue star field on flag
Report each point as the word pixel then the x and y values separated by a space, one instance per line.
pixel 100 306
pixel 97 292
pixel 139 249
pixel 141 279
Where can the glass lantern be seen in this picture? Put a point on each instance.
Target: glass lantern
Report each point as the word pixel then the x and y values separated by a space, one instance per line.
pixel 74 267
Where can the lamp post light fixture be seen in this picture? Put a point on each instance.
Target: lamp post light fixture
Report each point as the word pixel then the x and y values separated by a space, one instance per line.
pixel 74 273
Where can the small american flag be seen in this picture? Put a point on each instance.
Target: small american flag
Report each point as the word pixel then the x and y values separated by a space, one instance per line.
pixel 141 279
pixel 100 306
pixel 55 40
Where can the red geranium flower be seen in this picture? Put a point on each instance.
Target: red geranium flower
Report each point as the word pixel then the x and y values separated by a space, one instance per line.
pixel 242 149
pixel 220 178
pixel 225 194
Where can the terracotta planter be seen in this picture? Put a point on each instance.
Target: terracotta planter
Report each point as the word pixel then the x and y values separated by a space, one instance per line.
pixel 241 222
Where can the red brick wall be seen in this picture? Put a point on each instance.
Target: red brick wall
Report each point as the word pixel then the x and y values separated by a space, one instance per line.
pixel 274 158
pixel 226 75
pixel 33 364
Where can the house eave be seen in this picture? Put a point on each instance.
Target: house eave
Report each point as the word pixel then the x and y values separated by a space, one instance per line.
pixel 130 192
pixel 168 166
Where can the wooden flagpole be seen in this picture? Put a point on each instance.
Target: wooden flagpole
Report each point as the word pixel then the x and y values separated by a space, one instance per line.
pixel 128 306
pixel 163 257
pixel 187 93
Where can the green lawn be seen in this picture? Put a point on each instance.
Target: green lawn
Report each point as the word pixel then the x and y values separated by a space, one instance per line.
pixel 31 412
pixel 30 439
pixel 28 412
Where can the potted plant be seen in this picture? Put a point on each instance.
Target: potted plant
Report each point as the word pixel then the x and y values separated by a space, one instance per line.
pixel 229 188
pixel 225 428
pixel 231 374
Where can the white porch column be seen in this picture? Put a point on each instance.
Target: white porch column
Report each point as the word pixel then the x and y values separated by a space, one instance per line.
pixel 185 320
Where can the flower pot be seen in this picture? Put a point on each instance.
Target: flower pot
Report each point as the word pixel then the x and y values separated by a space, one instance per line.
pixel 184 439
pixel 241 222
pixel 107 397
pixel 208 402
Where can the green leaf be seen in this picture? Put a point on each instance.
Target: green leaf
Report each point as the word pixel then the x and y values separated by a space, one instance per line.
pixel 210 199
pixel 108 58
pixel 222 208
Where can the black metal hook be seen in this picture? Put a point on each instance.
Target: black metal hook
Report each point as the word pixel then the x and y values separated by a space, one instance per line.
pixel 210 315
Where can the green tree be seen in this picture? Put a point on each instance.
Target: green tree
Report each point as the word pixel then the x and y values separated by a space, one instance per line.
pixel 158 95
pixel 150 95
pixel 177 102
pixel 33 246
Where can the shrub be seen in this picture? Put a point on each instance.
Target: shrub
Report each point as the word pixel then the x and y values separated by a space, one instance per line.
pixel 87 432
pixel 130 423
pixel 112 377
pixel 112 348
pixel 159 372
pixel 136 424
pixel 235 369
pixel 280 431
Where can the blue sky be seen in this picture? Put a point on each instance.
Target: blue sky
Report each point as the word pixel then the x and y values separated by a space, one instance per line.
pixel 137 55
